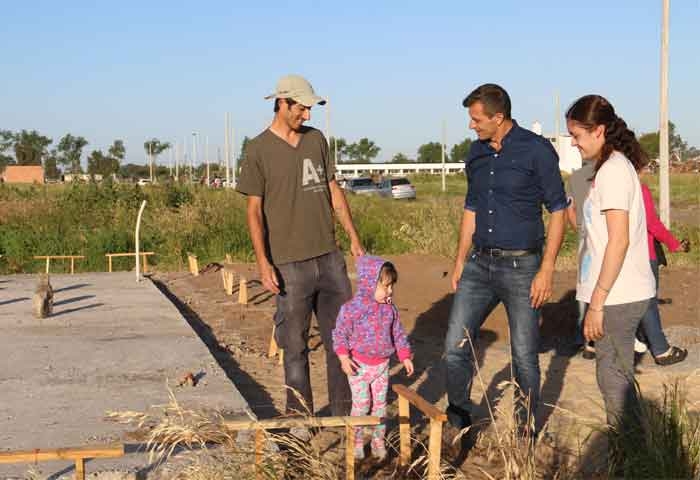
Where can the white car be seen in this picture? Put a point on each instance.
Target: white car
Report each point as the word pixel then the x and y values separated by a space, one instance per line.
pixel 397 188
pixel 144 181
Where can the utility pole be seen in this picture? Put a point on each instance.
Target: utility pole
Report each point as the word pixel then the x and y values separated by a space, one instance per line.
pixel 193 160
pixel 664 187
pixel 206 155
pixel 234 160
pixel 227 149
pixel 444 146
pixel 177 161
pixel 150 159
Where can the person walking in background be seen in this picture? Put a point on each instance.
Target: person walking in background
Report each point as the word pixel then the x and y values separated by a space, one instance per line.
pixel 651 332
pixel 614 275
pixel 577 190
pixel 368 331
pixel 292 196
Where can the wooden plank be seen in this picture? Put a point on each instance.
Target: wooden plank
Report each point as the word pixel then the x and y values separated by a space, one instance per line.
pixel 349 453
pixel 72 265
pixel 127 254
pixel 428 409
pixel 69 453
pixel 48 261
pixel 311 422
pixel 259 444
pixel 404 432
pixel 109 263
pixel 57 257
pixel 434 449
pixel 145 263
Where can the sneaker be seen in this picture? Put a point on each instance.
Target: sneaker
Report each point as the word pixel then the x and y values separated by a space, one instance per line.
pixel 302 434
pixel 588 352
pixel 639 346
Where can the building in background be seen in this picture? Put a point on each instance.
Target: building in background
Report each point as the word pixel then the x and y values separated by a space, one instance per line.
pixel 569 156
pixel 23 174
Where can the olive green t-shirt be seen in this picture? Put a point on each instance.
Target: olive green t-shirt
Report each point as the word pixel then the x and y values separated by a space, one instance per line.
pixel 293 183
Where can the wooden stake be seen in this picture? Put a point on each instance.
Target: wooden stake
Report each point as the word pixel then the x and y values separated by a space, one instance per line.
pixel 145 263
pixel 48 260
pixel 259 445
pixel 72 265
pixel 434 449
pixel 109 263
pixel 243 291
pixel 404 432
pixel 272 350
pixel 80 469
pixel 349 452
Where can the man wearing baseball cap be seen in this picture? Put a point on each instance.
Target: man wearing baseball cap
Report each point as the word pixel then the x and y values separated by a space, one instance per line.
pixel 289 180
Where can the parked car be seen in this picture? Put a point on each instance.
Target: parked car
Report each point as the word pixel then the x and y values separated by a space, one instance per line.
pixel 144 181
pixel 361 186
pixel 397 188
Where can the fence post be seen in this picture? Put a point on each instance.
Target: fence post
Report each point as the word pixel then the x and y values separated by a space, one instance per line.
pixel 404 432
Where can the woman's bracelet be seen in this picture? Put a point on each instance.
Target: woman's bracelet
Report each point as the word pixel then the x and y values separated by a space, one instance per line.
pixel 594 310
pixel 606 290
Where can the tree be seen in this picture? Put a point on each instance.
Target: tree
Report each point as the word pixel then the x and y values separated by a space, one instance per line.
pixel 400 158
pixel 339 144
pixel 117 150
pixel 460 151
pixel 363 151
pixel 30 147
pixel 430 153
pixel 241 156
pixel 7 139
pixel 650 143
pixel 154 147
pixel 70 150
pixel 51 165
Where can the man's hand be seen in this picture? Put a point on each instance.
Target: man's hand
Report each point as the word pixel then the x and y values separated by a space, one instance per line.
pixel 541 287
pixel 348 365
pixel 456 275
pixel 593 325
pixel 356 249
pixel 268 277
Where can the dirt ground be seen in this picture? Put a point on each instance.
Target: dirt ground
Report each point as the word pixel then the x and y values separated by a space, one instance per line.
pixel 423 298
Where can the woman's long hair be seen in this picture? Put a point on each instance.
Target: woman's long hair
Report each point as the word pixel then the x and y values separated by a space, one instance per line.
pixel 592 110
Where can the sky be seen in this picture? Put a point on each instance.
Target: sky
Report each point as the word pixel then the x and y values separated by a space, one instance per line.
pixel 393 71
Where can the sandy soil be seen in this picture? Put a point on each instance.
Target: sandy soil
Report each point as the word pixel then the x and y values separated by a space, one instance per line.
pixel 422 295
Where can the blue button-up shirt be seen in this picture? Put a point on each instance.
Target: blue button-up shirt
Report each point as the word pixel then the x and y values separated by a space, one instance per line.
pixel 508 188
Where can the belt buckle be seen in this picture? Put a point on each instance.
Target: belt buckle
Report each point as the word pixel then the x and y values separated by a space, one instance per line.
pixel 495 252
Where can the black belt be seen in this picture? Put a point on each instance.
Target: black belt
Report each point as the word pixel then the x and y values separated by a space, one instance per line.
pixel 500 252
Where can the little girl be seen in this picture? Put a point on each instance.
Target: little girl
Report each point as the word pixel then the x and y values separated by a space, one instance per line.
pixel 367 332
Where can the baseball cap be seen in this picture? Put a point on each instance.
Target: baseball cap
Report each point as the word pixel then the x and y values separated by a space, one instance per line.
pixel 298 89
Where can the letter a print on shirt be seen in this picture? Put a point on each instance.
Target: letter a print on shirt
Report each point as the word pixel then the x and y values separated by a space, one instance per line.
pixel 309 173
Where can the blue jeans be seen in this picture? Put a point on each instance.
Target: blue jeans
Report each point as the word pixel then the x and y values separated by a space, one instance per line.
pixel 579 339
pixel 650 326
pixel 485 282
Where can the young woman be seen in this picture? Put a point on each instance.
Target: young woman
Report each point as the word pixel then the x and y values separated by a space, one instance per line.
pixel 615 278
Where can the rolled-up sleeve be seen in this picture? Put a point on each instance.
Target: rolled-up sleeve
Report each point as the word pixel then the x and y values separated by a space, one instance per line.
pixel 470 197
pixel 550 178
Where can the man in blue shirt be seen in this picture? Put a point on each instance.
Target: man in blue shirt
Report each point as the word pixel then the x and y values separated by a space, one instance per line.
pixel 511 174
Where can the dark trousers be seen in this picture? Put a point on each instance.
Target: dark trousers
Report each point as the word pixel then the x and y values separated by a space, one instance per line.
pixel 486 281
pixel 319 285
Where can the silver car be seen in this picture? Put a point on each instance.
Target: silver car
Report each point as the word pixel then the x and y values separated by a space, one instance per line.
pixel 397 188
pixel 361 186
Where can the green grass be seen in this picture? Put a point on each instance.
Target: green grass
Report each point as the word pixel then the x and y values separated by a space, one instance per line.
pixel 93 219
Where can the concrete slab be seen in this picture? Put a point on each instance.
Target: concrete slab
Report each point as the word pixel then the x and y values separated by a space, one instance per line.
pixel 111 345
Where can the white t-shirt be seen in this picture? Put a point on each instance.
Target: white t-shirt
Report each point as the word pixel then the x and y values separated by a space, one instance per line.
pixel 615 187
